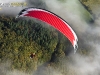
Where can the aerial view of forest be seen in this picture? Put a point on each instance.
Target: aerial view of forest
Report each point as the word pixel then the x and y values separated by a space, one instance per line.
pixel 53 53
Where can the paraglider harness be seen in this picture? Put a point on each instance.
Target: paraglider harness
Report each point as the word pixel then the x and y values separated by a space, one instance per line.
pixel 32 55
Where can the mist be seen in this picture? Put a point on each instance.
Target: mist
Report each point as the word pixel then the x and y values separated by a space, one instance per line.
pixel 12 10
pixel 88 33
pixel 5 69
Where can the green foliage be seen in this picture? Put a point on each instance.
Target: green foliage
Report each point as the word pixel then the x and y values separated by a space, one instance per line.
pixel 84 0
pixel 20 38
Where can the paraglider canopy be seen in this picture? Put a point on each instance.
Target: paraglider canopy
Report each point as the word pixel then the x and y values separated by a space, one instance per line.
pixel 53 20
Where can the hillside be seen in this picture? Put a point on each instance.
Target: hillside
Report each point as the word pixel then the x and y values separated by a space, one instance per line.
pixel 20 38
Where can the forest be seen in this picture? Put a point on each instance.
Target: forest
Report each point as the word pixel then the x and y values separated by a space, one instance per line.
pixel 19 38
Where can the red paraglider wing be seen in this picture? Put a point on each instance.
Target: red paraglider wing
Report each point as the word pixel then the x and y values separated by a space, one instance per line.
pixel 53 20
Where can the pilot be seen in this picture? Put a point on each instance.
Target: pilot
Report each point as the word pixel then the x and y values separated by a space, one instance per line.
pixel 32 55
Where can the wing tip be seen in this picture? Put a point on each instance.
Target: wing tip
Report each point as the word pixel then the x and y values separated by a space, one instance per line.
pixel 75 45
